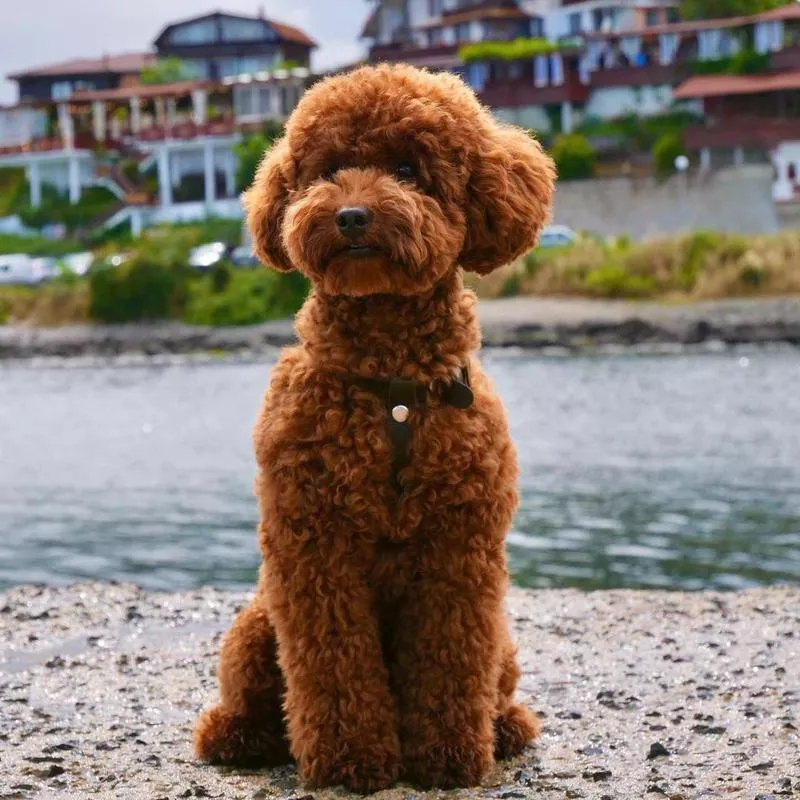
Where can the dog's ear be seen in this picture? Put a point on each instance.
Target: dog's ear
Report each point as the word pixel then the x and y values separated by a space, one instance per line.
pixel 508 198
pixel 265 203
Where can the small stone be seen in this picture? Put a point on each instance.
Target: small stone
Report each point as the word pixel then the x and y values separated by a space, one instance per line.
pixel 709 729
pixel 596 775
pixel 657 750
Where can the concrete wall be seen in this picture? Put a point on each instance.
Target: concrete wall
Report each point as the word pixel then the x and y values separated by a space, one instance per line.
pixel 621 100
pixel 533 117
pixel 738 201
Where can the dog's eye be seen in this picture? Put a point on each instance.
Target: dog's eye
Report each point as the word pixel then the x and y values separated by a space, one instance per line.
pixel 405 172
pixel 330 173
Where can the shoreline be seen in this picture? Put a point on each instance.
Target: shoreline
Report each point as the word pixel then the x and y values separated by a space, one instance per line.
pixel 538 325
pixel 681 695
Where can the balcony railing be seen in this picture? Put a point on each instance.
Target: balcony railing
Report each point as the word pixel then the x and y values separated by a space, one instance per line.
pixel 523 92
pixel 742 132
pixel 410 52
pixel 646 75
pixel 481 5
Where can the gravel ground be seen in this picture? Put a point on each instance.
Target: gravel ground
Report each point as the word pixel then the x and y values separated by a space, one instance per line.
pixel 642 694
pixel 543 324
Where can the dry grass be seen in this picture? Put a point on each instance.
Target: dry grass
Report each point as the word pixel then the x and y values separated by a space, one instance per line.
pixel 692 267
pixel 46 306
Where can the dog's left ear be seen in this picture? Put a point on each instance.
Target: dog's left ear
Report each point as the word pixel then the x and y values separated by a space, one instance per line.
pixel 265 203
pixel 508 198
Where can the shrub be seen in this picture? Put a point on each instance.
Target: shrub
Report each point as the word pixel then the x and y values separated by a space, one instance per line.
pixel 575 158
pixel 668 147
pixel 613 280
pixel 250 151
pixel 250 297
pixel 152 285
pixel 220 277
pixel 745 62
pixel 507 51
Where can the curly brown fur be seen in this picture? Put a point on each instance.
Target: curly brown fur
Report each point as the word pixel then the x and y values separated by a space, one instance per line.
pixel 393 651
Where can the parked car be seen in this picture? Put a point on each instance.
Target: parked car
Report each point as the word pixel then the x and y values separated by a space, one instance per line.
pixel 205 256
pixel 18 269
pixel 557 236
pixel 45 268
pixel 243 256
pixel 78 263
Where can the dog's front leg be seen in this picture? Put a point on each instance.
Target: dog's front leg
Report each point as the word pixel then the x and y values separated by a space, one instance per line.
pixel 341 715
pixel 447 647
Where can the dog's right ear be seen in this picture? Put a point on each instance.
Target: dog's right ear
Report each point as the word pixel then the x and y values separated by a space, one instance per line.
pixel 265 203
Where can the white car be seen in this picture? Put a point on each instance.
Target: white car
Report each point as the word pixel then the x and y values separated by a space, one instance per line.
pixel 18 269
pixel 557 236
pixel 207 255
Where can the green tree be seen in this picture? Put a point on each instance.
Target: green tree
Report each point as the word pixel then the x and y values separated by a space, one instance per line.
pixel 711 9
pixel 574 156
pixel 167 70
pixel 250 151
pixel 668 147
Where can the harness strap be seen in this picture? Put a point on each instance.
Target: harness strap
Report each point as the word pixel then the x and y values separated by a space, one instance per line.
pixel 401 396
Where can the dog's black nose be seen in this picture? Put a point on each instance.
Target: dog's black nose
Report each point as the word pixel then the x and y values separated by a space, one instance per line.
pixel 352 222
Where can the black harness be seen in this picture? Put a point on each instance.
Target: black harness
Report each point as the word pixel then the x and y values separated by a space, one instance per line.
pixel 401 396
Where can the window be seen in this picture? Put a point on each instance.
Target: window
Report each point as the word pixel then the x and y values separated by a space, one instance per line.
pixel 61 90
pixel 436 36
pixel 575 23
pixel 673 15
pixel 434 8
pixel 651 17
pixel 536 30
pixel 201 32
pixel 245 30
pixel 243 100
pixel 264 101
pixel 462 32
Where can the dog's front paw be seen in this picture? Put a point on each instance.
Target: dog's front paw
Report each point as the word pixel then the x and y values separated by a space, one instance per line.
pixel 449 765
pixel 359 769
pixel 222 737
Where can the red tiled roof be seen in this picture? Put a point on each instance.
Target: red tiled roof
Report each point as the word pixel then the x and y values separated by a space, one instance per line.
pixel 476 13
pixel 124 64
pixel 718 85
pixel 145 91
pixel 291 34
pixel 791 11
pixel 687 26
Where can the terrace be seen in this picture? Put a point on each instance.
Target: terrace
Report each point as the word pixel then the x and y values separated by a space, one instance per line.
pixel 182 128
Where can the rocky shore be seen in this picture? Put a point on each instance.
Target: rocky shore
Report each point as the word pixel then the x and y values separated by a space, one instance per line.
pixel 642 694
pixel 554 326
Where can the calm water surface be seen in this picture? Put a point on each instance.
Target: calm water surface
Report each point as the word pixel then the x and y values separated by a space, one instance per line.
pixel 680 471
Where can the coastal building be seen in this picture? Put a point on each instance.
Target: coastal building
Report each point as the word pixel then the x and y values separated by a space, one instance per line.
pixel 165 150
pixel 527 59
pixel 219 45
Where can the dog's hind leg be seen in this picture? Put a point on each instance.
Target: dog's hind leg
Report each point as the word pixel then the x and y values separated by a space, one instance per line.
pixel 515 725
pixel 246 728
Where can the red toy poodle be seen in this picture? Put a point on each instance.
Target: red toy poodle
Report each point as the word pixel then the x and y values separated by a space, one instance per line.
pixel 377 645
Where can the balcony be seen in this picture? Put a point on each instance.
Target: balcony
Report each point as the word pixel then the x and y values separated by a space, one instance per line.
pixel 647 75
pixel 523 92
pixel 481 5
pixel 410 54
pixel 742 132
pixel 788 58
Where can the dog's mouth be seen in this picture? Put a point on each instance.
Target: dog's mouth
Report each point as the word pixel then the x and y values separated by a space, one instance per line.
pixel 359 250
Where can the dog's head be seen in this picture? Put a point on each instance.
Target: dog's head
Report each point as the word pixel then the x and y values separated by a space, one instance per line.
pixel 390 177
